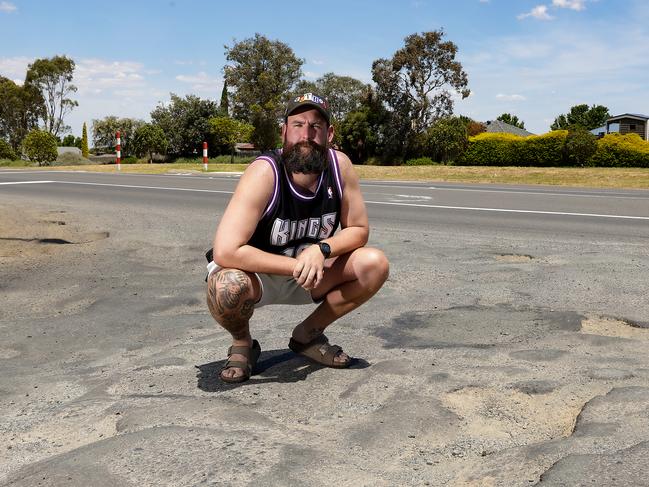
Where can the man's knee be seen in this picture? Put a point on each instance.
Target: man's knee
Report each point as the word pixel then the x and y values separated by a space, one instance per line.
pixel 372 265
pixel 230 291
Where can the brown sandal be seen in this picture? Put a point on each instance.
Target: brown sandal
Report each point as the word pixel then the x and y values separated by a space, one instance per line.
pixel 321 351
pixel 252 355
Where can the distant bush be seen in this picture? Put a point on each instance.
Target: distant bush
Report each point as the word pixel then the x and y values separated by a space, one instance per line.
pixel 6 152
pixel 616 150
pixel 225 159
pixel 71 159
pixel 447 139
pixel 130 160
pixel 40 146
pixel 579 147
pixel 420 161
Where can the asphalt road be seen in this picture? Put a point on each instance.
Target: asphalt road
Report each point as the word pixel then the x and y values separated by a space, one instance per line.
pixel 584 212
pixel 507 348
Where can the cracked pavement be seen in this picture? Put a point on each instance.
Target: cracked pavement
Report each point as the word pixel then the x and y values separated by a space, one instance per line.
pixel 487 359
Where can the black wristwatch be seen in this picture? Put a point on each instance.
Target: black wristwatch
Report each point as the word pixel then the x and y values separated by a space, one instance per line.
pixel 325 249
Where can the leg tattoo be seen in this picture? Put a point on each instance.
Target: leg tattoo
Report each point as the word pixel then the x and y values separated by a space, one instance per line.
pixel 229 302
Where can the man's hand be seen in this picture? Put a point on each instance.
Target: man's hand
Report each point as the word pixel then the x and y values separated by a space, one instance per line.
pixel 309 269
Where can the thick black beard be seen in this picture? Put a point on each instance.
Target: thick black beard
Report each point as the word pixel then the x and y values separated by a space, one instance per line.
pixel 305 157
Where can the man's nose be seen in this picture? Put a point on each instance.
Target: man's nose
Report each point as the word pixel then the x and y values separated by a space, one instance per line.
pixel 307 133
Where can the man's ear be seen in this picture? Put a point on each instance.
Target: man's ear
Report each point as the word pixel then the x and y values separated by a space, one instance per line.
pixel 330 134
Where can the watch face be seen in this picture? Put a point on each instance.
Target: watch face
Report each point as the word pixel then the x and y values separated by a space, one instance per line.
pixel 325 249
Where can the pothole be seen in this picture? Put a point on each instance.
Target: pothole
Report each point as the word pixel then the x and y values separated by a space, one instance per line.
pixel 615 327
pixel 515 258
pixel 84 238
pixel 58 241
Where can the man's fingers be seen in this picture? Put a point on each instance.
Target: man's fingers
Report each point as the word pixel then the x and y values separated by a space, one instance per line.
pixel 298 270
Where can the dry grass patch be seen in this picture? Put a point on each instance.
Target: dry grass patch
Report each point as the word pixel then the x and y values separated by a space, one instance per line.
pixel 631 178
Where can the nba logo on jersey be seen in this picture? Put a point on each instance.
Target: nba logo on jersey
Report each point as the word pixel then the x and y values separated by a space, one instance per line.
pixel 330 192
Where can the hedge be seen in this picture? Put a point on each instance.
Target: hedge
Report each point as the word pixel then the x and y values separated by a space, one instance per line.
pixel 490 149
pixel 616 150
pixel 500 149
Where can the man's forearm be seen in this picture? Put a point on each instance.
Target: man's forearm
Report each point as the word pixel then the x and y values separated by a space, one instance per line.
pixel 251 259
pixel 347 240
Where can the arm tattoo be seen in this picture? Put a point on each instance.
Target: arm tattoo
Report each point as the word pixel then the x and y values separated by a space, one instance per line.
pixel 229 301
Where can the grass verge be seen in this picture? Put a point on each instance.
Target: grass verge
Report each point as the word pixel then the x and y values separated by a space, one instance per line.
pixel 631 178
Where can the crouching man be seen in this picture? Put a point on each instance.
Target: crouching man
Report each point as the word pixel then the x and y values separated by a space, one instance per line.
pixel 276 243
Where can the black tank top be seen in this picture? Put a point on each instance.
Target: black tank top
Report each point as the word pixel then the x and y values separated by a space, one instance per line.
pixel 293 220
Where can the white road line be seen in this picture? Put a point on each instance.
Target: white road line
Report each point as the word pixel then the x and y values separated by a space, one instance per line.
pixel 511 191
pixel 543 193
pixel 417 205
pixel 505 210
pixel 144 187
pixel 26 182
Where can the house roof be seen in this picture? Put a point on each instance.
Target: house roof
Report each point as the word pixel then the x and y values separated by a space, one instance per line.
pixel 244 146
pixel 498 126
pixel 639 116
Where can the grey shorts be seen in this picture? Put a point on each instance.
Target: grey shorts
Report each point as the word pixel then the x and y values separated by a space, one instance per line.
pixel 277 289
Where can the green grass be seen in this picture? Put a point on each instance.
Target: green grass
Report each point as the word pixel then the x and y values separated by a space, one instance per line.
pixel 631 178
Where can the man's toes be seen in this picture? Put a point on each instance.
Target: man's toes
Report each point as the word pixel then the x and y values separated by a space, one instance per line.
pixel 342 358
pixel 232 372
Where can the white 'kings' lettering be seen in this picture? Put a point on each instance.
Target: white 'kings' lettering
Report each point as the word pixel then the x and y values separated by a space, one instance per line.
pixel 285 231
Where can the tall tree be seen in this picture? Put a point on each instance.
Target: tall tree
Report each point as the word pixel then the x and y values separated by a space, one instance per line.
pixel 344 93
pixel 185 122
pixel 511 120
pixel 262 74
pixel 416 85
pixel 84 141
pixel 583 116
pixel 52 77
pixel 20 109
pixel 104 130
pixel 224 107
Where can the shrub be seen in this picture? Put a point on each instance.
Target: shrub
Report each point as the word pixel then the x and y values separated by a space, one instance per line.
pixel 6 152
pixel 40 146
pixel 616 150
pixel 71 159
pixel 420 161
pixel 130 160
pixel 447 140
pixel 580 146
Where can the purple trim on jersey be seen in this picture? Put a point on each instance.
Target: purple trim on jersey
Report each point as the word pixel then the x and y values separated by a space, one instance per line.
pixel 273 199
pixel 339 179
pixel 300 195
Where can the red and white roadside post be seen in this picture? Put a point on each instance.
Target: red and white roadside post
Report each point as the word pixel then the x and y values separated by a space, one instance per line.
pixel 118 152
pixel 205 156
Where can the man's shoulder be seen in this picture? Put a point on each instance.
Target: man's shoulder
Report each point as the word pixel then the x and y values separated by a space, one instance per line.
pixel 273 154
pixel 344 162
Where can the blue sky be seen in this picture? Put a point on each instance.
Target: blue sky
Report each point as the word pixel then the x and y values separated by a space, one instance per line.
pixel 532 58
